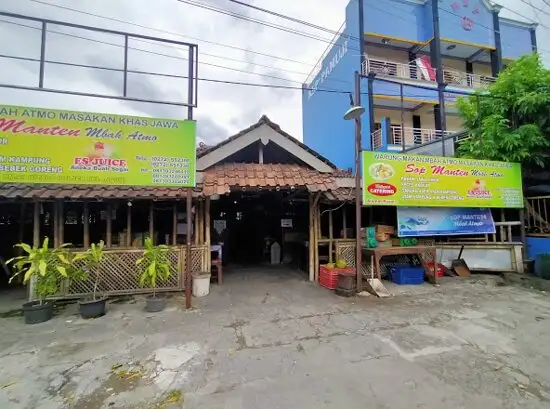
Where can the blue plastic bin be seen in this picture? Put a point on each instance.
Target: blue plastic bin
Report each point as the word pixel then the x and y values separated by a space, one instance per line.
pixel 405 274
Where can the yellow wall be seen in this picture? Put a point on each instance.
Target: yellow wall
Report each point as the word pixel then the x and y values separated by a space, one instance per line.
pixel 387 54
pixel 460 65
pixel 454 123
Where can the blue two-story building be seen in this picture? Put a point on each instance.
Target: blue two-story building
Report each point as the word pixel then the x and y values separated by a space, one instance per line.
pixel 420 55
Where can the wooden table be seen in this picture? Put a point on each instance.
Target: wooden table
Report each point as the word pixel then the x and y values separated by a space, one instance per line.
pixel 378 253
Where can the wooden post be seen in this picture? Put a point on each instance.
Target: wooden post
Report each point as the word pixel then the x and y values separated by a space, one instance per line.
pixel 36 225
pixel 175 224
pixel 152 221
pixel 344 222
pixel 188 252
pixel 109 227
pixel 55 224
pixel 201 225
pixel 129 225
pixel 21 233
pixel 196 223
pixel 330 236
pixel 311 263
pixel 502 229
pixel 317 235
pixel 86 226
pixel 61 225
pixel 207 237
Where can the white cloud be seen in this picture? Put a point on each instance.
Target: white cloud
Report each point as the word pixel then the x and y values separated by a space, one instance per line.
pixel 223 109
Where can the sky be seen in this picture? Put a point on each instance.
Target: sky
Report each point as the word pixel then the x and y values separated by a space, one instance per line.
pixel 223 109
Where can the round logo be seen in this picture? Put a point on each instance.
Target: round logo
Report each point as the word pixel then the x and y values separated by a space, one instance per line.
pixel 382 189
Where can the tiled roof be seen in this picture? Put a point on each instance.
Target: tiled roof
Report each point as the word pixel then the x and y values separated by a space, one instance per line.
pixel 221 178
pixel 342 194
pixel 45 192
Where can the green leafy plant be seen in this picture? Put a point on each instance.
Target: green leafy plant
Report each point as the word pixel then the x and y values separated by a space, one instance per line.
pixel 92 259
pixel 48 265
pixel 510 122
pixel 155 264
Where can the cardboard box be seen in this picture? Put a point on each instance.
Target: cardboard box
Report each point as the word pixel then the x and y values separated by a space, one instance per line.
pixel 383 228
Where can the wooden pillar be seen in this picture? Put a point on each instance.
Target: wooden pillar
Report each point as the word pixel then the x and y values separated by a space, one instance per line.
pixel 36 225
pixel 152 221
pixel 86 225
pixel 109 227
pixel 129 225
pixel 317 236
pixel 503 238
pixel 344 222
pixel 61 224
pixel 21 232
pixel 201 226
pixel 55 224
pixel 207 237
pixel 311 263
pixel 330 236
pixel 196 223
pixel 175 224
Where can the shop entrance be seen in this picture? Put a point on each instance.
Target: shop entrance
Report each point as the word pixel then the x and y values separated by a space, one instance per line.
pixel 250 223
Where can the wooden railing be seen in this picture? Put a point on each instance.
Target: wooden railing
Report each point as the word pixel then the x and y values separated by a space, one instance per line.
pixel 536 215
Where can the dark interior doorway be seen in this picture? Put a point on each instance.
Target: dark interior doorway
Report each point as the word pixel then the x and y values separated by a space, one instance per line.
pixel 254 221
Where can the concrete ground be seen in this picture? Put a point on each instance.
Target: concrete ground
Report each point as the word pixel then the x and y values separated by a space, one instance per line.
pixel 267 339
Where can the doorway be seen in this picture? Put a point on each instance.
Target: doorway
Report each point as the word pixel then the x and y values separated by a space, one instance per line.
pixel 250 223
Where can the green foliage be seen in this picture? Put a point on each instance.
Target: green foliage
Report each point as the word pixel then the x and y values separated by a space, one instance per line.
pixel 92 259
pixel 48 265
pixel 511 121
pixel 155 264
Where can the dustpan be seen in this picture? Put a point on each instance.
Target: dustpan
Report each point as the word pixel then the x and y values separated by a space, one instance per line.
pixel 375 285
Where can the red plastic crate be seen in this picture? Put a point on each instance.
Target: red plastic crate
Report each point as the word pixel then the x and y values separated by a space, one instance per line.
pixel 328 277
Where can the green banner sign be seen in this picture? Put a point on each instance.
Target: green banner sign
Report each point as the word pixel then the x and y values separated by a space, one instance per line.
pixel 53 146
pixel 391 179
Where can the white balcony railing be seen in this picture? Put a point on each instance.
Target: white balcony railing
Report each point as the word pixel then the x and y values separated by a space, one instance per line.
pixel 412 136
pixel 467 80
pixel 413 71
pixel 395 69
pixel 415 136
pixel 377 139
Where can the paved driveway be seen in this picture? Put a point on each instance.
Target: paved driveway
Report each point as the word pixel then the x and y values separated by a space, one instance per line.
pixel 267 339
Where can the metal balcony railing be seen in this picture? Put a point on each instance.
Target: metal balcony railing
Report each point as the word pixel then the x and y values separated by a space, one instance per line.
pixel 412 136
pixel 394 69
pixel 467 80
pixel 413 71
pixel 376 139
pixel 415 136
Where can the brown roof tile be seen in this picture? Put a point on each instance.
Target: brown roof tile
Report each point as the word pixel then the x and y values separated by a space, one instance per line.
pixel 46 192
pixel 221 178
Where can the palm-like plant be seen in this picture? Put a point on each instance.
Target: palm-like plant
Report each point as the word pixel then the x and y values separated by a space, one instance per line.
pixel 155 263
pixel 92 259
pixel 48 265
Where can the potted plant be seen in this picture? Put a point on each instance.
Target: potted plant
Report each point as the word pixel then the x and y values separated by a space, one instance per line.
pixel 156 267
pixel 92 259
pixel 48 267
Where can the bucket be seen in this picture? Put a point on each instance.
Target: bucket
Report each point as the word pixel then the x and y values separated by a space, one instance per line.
pixel 201 284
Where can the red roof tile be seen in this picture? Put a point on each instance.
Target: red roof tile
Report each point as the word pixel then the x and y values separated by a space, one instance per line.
pixel 221 178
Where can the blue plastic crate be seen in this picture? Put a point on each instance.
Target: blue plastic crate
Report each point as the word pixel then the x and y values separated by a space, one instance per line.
pixel 404 274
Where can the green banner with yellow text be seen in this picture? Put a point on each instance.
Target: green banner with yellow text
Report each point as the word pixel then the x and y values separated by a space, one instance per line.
pixel 66 147
pixel 391 179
